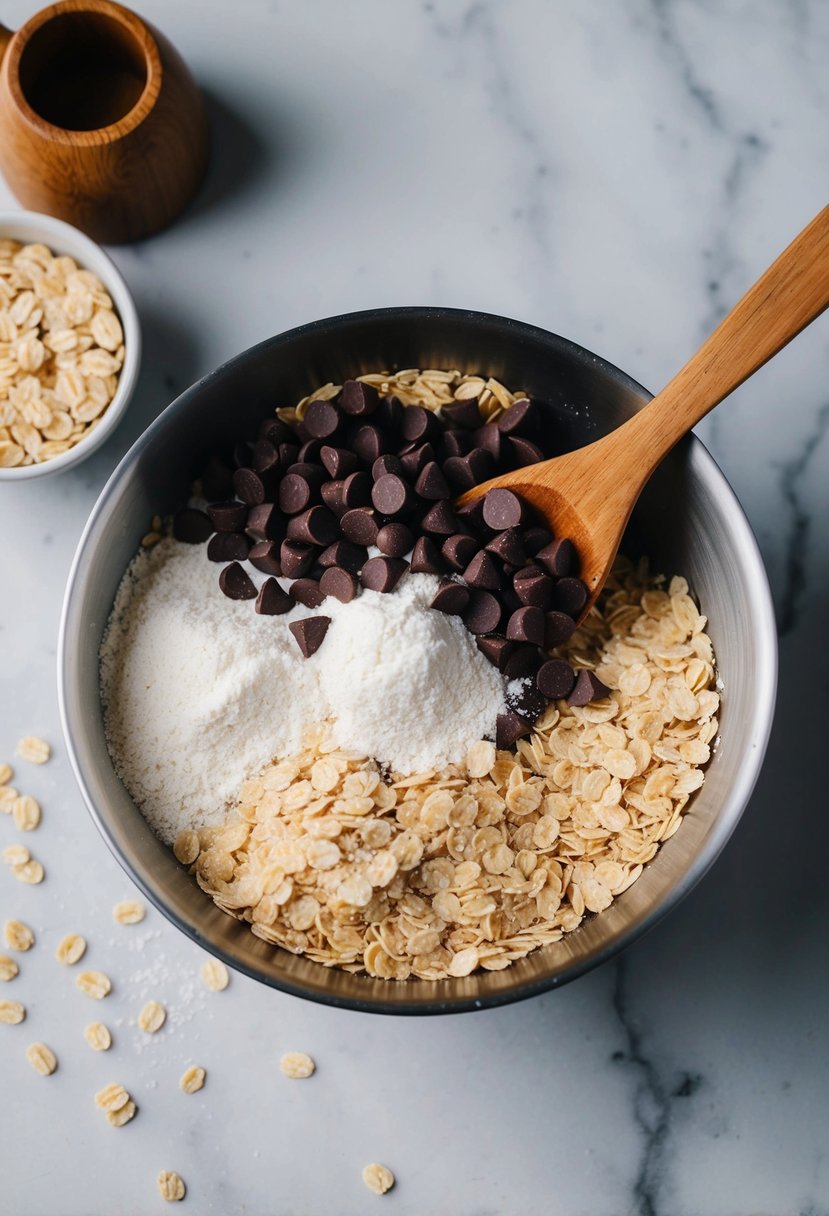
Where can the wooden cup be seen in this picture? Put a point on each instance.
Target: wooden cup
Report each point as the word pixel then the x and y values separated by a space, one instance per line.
pixel 101 123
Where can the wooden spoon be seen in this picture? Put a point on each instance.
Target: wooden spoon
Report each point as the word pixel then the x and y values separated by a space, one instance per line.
pixel 588 495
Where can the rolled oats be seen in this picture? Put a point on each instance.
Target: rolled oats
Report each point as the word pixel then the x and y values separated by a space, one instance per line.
pixel 17 935
pixel 97 1036
pixel 297 1065
pixel 26 812
pixel 378 1178
pixel 117 1118
pixel 70 949
pixel 6 773
pixel 30 872
pixel 94 984
pixel 8 968
pixel 15 855
pixel 34 749
pixel 112 1097
pixel 152 1017
pixel 12 1012
pixel 42 1059
pixel 214 975
pixel 192 1079
pixel 170 1186
pixel 129 912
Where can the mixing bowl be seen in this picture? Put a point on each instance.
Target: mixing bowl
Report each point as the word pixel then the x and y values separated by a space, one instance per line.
pixel 688 521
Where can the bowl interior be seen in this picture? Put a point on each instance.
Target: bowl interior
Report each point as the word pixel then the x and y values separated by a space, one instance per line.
pixel 688 521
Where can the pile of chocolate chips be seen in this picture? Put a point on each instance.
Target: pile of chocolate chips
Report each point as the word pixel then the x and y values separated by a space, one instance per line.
pixel 362 470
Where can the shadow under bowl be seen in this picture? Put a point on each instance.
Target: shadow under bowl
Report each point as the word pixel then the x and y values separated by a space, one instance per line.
pixel 688 521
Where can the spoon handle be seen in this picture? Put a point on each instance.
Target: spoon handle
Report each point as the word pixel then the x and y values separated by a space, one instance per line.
pixel 792 292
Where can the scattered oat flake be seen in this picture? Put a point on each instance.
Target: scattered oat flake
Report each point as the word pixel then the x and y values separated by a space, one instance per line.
pixel 117 1118
pixel 70 949
pixel 129 912
pixel 112 1097
pixel 12 1012
pixel 152 1017
pixel 94 984
pixel 33 749
pixel 15 854
pixel 26 813
pixel 214 975
pixel 297 1065
pixel 17 935
pixel 42 1059
pixel 8 968
pixel 192 1080
pixel 97 1036
pixel 30 872
pixel 378 1178
pixel 171 1187
pixel 8 796
pixel 6 773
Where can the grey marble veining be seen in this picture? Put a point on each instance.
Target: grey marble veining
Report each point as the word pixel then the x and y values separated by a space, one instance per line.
pixel 618 173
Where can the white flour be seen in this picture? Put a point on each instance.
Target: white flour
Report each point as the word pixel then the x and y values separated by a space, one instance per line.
pixel 200 691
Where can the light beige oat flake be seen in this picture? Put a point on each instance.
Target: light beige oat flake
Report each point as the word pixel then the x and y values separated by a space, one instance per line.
pixel 117 1118
pixel 17 935
pixel 34 749
pixel 97 1036
pixel 378 1178
pixel 94 984
pixel 70 949
pixel 6 773
pixel 152 1017
pixel 30 872
pixel 112 1097
pixel 8 968
pixel 192 1079
pixel 8 797
pixel 214 975
pixel 186 847
pixel 42 1059
pixel 129 912
pixel 15 854
pixel 12 1012
pixel 171 1187
pixel 26 813
pixel 297 1065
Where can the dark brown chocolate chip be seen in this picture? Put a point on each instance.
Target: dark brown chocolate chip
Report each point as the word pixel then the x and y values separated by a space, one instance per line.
pixel 253 487
pixel 236 583
pixel 344 553
pixel 228 516
pixel 228 547
pixel 523 452
pixel 588 688
pixel 517 419
pixel 386 464
pixel 496 649
pixel 216 479
pixel 419 424
pixel 464 414
pixel 306 591
pixel 266 522
pixel 483 571
pixel 502 510
pixel 431 483
pixel 508 546
pixel 331 493
pixel 488 437
pixel 272 600
pixel 342 584
pixel 558 629
pixel 276 431
pixel 524 699
pixel 242 453
pixel 321 419
pixel 471 514
pixel 555 679
pixel 509 728
pixel 414 461
pixel 570 596
pixel 358 399
pixel 391 495
pixel 265 457
pixel 191 526
pixel 480 463
pixel 535 589
pixel 453 443
pixel 310 452
pixel 382 573
pixel 458 551
pixel 425 557
pixel 559 557
pixel 356 490
pixel 390 413
pixel 395 540
pixel 360 526
pixel 288 454
pixel 524 661
pixel 484 612
pixel 338 461
pixel 526 625
pixel 296 558
pixel 310 633
pixel 316 526
pixel 265 557
pixel 451 598
pixel 295 493
pixel 459 473
pixel 535 539
pixel 440 520
pixel 369 442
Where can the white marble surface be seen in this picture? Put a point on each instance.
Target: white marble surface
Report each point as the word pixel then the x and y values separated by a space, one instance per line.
pixel 617 173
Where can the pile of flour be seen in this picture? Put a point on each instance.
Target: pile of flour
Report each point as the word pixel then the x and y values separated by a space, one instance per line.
pixel 200 692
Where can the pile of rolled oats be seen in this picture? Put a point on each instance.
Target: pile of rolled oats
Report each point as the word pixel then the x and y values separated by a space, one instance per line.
pixel 438 874
pixel 61 353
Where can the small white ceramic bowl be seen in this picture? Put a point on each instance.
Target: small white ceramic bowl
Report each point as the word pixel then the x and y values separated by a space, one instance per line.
pixel 30 227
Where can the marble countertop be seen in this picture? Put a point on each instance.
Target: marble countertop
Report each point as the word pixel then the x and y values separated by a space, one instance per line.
pixel 618 173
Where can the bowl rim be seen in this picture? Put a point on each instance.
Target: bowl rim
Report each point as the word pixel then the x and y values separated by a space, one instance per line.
pixel 54 232
pixel 701 464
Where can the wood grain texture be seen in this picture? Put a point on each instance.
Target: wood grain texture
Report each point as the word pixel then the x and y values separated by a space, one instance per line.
pixel 132 174
pixel 589 494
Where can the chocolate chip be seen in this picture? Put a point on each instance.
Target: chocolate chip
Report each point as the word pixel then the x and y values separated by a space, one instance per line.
pixel 342 584
pixel 526 625
pixel 391 495
pixel 453 443
pixel 296 558
pixel 570 596
pixel 519 418
pixel 253 487
pixel 228 516
pixel 535 539
pixel 496 649
pixel 360 526
pixel 265 522
pixel 535 589
pixel 451 598
pixel 288 454
pixel 524 661
pixel 395 540
pixel 191 526
pixel 459 473
pixel 236 583
pixel 356 490
pixel 484 612
pixel 588 688
pixel 481 464
pixel 382 573
pixel 216 479
pixel 343 553
pixel 555 679
pixel 338 461
pixel 483 571
pixel 331 493
pixel 524 699
pixel 509 546
pixel 265 458
pixel 295 493
pixel 431 483
pixel 440 520
pixel 523 452
pixel 559 557
pixel 369 442
pixel 310 633
pixel 502 510
pixel 310 452
pixel 465 414
pixel 488 437
pixel 358 399
pixel 390 412
pixel 458 551
pixel 265 557
pixel 414 461
pixel 419 424
pixel 509 728
pixel 321 419
pixel 306 591
pixel 228 547
pixel 276 431
pixel 425 557
pixel 316 526
pixel 558 629
pixel 242 453
pixel 386 464
pixel 471 514
pixel 272 600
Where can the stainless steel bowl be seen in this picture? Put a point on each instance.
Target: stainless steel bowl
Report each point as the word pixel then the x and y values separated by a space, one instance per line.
pixel 688 521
